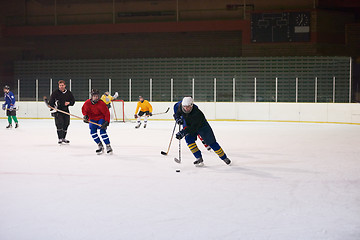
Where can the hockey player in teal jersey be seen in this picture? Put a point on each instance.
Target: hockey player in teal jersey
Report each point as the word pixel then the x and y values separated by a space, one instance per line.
pixel 10 107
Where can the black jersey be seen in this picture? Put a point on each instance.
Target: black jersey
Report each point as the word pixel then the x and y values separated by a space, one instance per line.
pixel 58 99
pixel 194 120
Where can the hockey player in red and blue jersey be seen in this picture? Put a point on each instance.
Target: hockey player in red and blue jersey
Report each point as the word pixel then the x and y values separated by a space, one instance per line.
pixel 195 123
pixel 10 107
pixel 96 111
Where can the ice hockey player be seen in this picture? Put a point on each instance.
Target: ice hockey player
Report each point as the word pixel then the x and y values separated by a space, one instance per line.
pixel 10 107
pixel 96 111
pixel 195 123
pixel 107 98
pixel 61 99
pixel 145 108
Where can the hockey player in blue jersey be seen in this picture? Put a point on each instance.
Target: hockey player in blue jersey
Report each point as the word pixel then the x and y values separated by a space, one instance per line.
pixel 10 107
pixel 195 123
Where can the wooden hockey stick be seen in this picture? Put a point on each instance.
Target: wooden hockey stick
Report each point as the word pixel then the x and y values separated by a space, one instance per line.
pixel 161 112
pixel 14 109
pixel 172 136
pixel 178 160
pixel 58 110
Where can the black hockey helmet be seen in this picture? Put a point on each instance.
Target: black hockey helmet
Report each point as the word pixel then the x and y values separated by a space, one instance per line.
pixel 7 87
pixel 95 92
pixel 95 96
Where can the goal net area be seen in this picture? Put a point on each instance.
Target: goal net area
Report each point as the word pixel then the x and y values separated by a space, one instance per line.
pixel 117 111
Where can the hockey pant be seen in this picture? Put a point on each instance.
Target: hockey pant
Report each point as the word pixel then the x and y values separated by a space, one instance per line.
pixel 208 136
pixel 11 115
pixel 62 122
pixel 145 117
pixel 94 134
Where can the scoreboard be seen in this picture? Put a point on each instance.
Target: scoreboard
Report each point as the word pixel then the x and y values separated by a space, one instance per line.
pixel 280 27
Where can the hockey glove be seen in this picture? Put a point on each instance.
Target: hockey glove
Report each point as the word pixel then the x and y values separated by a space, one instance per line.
pixel 179 121
pixel 105 125
pixel 86 119
pixel 181 134
pixel 3 107
pixel 12 108
pixel 53 112
pixel 135 116
pixel 150 114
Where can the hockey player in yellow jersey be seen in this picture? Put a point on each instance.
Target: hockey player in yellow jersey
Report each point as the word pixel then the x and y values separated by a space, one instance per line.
pixel 107 98
pixel 145 108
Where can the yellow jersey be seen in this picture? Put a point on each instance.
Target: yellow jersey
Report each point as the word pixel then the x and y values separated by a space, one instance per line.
pixel 107 99
pixel 144 106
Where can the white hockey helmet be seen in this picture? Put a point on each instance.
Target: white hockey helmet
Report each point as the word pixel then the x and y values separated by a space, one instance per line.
pixel 187 104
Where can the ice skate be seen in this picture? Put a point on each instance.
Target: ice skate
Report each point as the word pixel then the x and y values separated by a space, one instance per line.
pixel 109 149
pixel 65 141
pixel 144 125
pixel 138 125
pixel 16 125
pixel 199 162
pixel 60 141
pixel 100 149
pixel 9 126
pixel 227 161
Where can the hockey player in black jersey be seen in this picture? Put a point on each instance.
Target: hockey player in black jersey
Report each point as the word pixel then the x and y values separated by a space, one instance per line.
pixel 61 99
pixel 195 123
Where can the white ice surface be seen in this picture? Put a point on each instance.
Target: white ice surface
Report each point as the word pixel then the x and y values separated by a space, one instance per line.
pixel 287 181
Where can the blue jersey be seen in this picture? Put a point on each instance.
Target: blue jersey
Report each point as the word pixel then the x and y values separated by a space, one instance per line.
pixel 176 107
pixel 9 99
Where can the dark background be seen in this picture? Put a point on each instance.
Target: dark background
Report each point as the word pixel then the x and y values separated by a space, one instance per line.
pixel 124 29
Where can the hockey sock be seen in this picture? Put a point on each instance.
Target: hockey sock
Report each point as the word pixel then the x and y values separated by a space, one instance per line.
pixel 15 119
pixel 59 133
pixel 64 133
pixel 145 119
pixel 104 137
pixel 219 151
pixel 138 119
pixel 195 150
pixel 202 140
pixel 95 136
pixel 9 120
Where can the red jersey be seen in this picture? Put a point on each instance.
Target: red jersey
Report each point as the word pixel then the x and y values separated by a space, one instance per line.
pixel 96 111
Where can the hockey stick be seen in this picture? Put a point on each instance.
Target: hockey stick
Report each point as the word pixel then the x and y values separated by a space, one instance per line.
pixel 58 110
pixel 178 160
pixel 162 112
pixel 172 136
pixel 14 109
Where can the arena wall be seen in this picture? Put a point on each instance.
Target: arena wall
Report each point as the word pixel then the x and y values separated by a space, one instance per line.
pixel 289 112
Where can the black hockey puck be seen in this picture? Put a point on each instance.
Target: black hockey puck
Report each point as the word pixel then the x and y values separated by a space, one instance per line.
pixel 177 170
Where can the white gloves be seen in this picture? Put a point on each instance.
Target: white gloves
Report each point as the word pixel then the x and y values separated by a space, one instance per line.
pixel 116 95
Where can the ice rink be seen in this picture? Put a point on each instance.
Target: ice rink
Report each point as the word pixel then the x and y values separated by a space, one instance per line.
pixel 287 181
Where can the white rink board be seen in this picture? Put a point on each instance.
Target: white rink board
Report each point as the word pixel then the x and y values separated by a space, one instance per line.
pixel 313 112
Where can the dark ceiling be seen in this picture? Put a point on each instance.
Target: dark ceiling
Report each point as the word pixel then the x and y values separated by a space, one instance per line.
pixel 51 2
